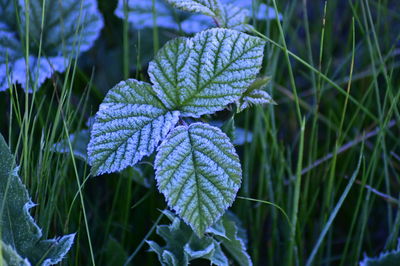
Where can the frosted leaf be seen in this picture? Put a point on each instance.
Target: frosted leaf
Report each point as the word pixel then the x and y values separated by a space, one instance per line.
pixel 141 15
pixel 255 95
pixel 207 7
pixel 199 173
pixel 19 232
pixel 390 258
pixel 233 242
pixel 130 122
pixel 167 70
pixel 183 246
pixel 221 65
pixel 253 98
pixel 9 256
pixel 69 28
pixel 235 17
pixel 69 25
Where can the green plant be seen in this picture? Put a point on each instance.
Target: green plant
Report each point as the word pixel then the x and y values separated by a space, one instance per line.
pixel 21 239
pixel 197 168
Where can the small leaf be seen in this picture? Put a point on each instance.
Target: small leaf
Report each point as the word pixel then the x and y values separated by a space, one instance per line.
pixel 255 94
pixel 183 246
pixel 210 8
pixel 19 232
pixel 199 173
pixel 130 122
pixel 391 258
pixel 221 65
pixel 233 243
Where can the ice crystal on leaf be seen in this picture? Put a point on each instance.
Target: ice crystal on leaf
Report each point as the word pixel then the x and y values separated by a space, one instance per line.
pixel 21 238
pixel 69 28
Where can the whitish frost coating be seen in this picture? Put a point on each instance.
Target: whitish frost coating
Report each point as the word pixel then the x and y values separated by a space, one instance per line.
pixel 199 173
pixel 207 7
pixel 129 125
pixel 21 237
pixel 203 74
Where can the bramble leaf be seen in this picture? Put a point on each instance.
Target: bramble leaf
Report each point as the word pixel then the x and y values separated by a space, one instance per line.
pixel 20 235
pixel 210 8
pixel 167 71
pixel 66 29
pixel 130 122
pixel 208 72
pixel 199 173
pixel 183 245
pixel 235 17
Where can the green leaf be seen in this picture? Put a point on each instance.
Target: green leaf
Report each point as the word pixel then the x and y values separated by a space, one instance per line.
pixel 255 94
pixel 234 17
pixel 183 246
pixel 19 233
pixel 10 257
pixel 203 74
pixel 69 25
pixel 167 71
pixel 234 243
pixel 58 32
pixel 199 173
pixel 384 259
pixel 114 252
pixel 130 123
pixel 207 7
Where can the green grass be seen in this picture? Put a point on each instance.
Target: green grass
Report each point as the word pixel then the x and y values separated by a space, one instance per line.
pixel 321 176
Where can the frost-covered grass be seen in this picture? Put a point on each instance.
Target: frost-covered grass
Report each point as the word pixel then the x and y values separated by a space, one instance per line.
pixel 320 174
